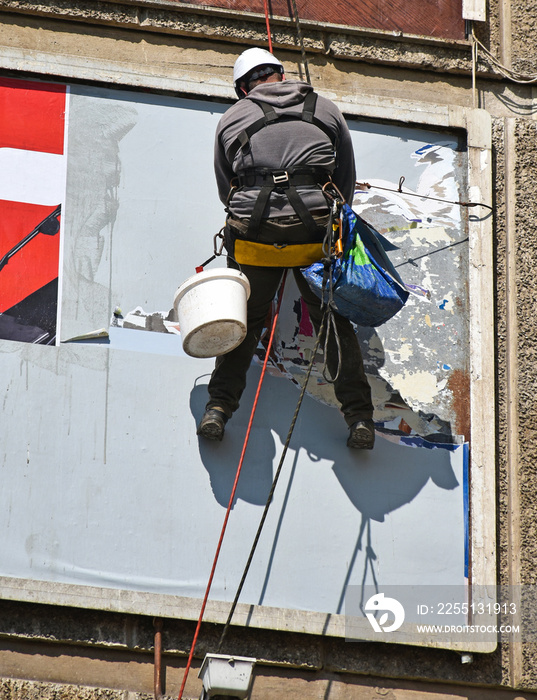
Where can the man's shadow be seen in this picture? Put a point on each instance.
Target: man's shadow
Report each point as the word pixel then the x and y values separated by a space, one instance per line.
pixel 376 482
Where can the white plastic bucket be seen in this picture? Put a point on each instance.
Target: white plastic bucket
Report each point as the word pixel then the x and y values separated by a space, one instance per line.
pixel 211 310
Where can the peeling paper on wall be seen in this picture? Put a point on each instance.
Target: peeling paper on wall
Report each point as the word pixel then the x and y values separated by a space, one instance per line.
pixel 411 359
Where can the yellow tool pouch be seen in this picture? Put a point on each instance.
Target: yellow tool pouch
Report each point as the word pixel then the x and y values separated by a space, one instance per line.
pixel 277 245
pixel 266 255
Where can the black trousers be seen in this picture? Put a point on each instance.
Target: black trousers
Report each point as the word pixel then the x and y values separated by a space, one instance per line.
pixel 228 379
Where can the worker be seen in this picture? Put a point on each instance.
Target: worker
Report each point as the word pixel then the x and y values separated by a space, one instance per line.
pixel 274 150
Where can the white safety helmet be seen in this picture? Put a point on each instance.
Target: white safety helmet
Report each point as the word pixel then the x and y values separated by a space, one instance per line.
pixel 250 59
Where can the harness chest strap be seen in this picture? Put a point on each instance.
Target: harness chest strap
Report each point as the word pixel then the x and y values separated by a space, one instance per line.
pixel 286 182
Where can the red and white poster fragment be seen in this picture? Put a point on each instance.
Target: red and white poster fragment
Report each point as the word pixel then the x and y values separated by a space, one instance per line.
pixel 32 191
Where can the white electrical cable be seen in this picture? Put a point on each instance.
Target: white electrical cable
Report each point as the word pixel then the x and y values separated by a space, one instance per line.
pixel 515 76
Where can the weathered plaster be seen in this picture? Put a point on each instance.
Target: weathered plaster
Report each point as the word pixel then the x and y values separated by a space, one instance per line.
pixel 99 634
pixel 251 28
pixel 526 243
pixel 523 16
pixel 134 53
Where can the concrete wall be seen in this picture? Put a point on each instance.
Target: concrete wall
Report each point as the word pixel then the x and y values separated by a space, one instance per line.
pixel 165 48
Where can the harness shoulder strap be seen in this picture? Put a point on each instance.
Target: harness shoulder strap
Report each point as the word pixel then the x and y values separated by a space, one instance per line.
pixel 243 139
pixel 268 111
pixel 270 116
pixel 308 108
pixel 308 115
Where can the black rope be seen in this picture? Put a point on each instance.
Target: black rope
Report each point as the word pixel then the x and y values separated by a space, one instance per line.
pixel 301 42
pixel 327 291
pixel 331 327
pixel 366 186
pixel 412 261
pixel 272 489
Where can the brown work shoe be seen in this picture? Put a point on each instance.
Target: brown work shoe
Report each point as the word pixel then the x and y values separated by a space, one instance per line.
pixel 362 435
pixel 213 424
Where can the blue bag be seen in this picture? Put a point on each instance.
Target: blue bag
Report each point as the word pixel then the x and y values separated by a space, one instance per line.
pixel 366 288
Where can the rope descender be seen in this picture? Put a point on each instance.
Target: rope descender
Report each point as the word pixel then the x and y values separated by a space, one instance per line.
pixel 334 249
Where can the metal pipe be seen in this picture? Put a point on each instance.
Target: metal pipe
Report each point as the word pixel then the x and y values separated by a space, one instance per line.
pixel 157 624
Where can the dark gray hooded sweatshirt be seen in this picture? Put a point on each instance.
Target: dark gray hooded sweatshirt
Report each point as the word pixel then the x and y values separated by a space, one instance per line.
pixel 281 146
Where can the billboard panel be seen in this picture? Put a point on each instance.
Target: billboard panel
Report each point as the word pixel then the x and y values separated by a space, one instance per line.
pixel 105 483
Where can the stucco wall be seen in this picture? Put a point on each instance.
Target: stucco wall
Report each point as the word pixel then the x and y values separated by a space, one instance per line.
pixel 523 16
pixel 526 245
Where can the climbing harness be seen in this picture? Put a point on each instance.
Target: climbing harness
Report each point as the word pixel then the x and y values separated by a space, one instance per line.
pixel 254 243
pixel 270 116
pixel 272 247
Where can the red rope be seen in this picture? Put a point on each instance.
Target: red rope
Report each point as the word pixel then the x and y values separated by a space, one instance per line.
pixel 265 4
pixel 232 497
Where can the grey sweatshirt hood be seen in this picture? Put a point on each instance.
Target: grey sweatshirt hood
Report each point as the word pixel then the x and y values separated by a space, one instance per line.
pixel 281 94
